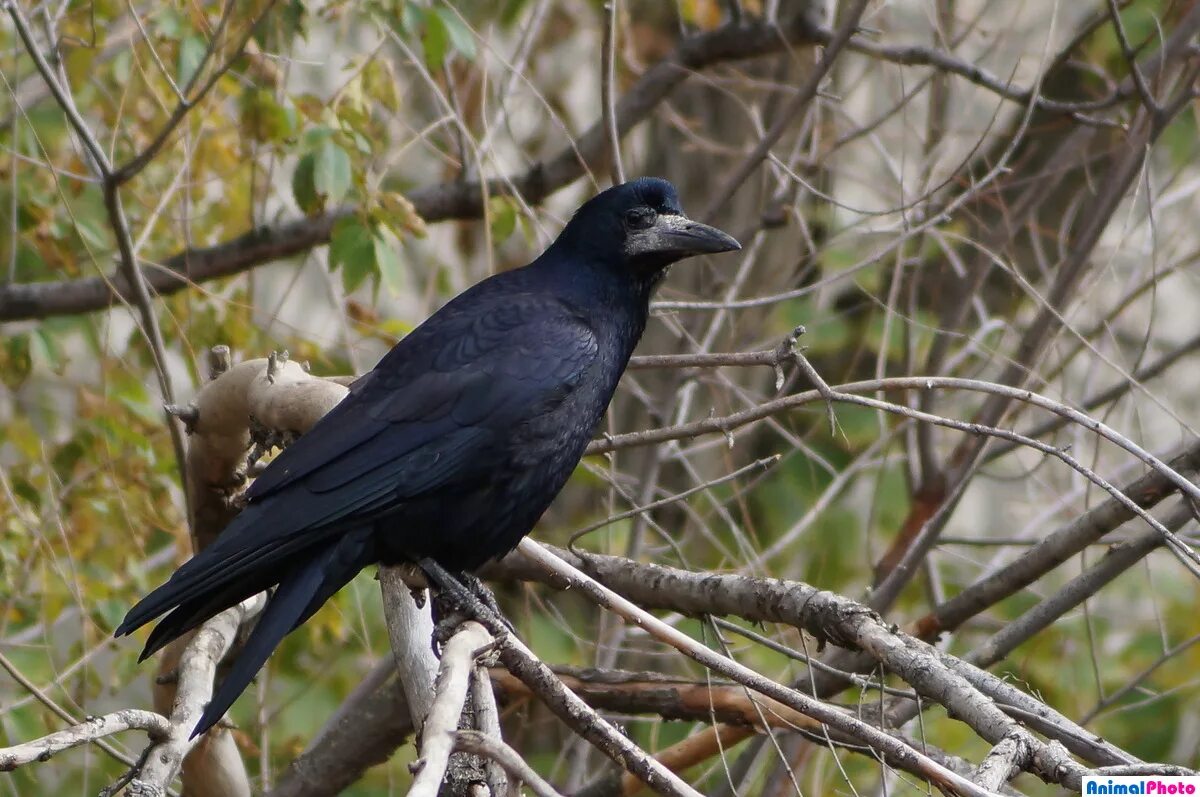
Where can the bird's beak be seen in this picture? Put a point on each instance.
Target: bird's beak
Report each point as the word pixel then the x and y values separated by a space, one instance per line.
pixel 677 236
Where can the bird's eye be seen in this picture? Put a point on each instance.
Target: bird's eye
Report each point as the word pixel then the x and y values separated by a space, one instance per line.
pixel 639 218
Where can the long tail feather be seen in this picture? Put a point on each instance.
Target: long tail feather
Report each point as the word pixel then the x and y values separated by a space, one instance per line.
pixel 190 614
pixel 264 539
pixel 283 610
pixel 301 592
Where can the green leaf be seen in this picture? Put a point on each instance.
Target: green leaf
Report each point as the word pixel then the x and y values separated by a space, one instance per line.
pixel 355 273
pixel 352 248
pixel 288 23
pixel 264 119
pixel 303 187
pixel 391 270
pixel 502 215
pixel 191 54
pixel 460 35
pixel 411 18
pixel 315 137
pixel 331 172
pixel 350 241
pixel 435 41
pixel 16 360
pixel 168 23
pixel 45 351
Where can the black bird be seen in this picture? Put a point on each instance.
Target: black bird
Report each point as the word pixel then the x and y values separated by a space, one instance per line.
pixel 458 440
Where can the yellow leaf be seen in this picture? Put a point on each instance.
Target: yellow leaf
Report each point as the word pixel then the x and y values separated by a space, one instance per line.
pixel 401 214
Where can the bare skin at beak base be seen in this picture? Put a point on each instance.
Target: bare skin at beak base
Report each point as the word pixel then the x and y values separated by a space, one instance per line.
pixel 680 236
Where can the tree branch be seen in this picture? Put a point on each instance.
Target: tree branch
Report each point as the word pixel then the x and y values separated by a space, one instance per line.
pixel 194 687
pixel 450 695
pixel 365 730
pixel 857 626
pixel 450 200
pixel 573 711
pixel 155 725
pixel 483 745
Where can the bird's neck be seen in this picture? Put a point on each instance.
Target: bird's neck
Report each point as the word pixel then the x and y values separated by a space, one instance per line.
pixel 614 304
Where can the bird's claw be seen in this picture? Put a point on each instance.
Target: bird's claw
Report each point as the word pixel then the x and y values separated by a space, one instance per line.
pixel 461 597
pixel 448 621
pixel 485 596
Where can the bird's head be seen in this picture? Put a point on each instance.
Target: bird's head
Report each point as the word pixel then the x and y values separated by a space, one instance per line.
pixel 640 227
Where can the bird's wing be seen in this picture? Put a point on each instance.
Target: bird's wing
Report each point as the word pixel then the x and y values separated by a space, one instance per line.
pixel 431 410
pixel 431 415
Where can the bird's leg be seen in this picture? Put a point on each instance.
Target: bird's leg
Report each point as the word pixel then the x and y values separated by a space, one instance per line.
pixel 461 597
pixel 480 590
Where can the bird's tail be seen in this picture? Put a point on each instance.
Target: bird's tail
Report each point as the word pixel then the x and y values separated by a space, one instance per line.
pixel 236 567
pixel 302 591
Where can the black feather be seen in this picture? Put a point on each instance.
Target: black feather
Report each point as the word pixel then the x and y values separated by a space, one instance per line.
pixel 457 441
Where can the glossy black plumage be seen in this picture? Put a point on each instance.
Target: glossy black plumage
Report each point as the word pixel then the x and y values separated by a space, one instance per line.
pixel 457 441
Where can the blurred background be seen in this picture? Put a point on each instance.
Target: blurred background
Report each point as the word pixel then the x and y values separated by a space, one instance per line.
pixel 985 189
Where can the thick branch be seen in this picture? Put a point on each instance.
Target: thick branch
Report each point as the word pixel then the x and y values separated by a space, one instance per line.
pixel 1055 548
pixel 281 396
pixel 670 698
pixel 410 628
pixel 1006 760
pixel 450 695
pixel 34 300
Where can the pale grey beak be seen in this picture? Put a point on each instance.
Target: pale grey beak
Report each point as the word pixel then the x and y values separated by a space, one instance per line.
pixel 677 237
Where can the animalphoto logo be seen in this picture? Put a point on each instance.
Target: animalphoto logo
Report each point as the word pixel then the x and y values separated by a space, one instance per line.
pixel 1142 784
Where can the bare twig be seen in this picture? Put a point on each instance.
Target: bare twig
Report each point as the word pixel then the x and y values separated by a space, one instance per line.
pixel 1055 548
pixel 450 200
pixel 704 360
pixel 483 745
pixel 194 687
pixel 759 465
pixel 185 104
pixel 58 710
pixel 91 729
pixel 1106 396
pixel 1115 697
pixel 608 57
pixel 587 723
pixel 911 759
pixel 1135 72
pixel 833 46
pixel 116 213
pixel 1119 558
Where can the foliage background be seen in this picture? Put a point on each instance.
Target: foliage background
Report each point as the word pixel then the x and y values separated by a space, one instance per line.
pixel 355 104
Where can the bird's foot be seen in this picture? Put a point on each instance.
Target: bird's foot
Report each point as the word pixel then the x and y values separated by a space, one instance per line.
pixel 485 596
pixel 461 597
pixel 447 619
